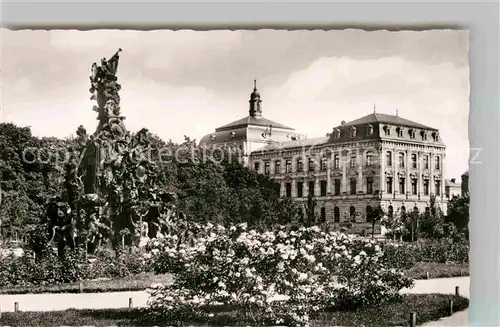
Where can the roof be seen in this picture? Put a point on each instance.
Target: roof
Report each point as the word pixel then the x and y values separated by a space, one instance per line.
pixel 250 120
pixel 448 182
pixel 388 119
pixel 293 144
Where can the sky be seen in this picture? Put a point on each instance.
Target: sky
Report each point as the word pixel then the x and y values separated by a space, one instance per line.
pixel 186 82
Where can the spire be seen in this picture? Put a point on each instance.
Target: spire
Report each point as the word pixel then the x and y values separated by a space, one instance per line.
pixel 374 111
pixel 397 113
pixel 255 102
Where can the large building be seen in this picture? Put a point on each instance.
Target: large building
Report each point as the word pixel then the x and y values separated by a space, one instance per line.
pixel 452 188
pixel 250 132
pixel 377 160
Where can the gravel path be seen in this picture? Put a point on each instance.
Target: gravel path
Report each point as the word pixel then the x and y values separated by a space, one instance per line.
pixel 116 300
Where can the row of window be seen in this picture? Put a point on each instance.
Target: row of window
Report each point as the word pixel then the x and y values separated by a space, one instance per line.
pixel 401 160
pixel 414 187
pixel 352 163
pixel 352 213
pixel 353 133
pixel 353 187
pixel 412 133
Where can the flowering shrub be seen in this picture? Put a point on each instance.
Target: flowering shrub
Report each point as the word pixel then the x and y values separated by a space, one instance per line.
pixel 281 276
pixel 50 269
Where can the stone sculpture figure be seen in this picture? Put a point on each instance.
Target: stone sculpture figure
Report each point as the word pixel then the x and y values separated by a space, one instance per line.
pixel 119 195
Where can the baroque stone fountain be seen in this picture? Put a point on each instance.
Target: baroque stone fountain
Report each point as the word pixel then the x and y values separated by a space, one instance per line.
pixel 112 195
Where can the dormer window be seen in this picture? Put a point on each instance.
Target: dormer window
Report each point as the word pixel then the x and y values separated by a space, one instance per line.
pixel 400 131
pixel 232 135
pixel 435 136
pixel 353 132
pixel 369 130
pixel 387 130
pixel 411 132
pixel 336 134
pixel 424 135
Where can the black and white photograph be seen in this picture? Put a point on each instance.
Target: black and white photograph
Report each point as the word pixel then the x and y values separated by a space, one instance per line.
pixel 234 177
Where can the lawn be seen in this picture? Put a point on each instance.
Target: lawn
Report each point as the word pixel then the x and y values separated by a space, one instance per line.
pixel 429 307
pixel 438 270
pixel 131 283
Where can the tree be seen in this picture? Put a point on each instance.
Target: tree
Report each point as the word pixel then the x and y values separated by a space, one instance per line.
pixel 311 215
pixel 458 213
pixel 375 216
pixel 430 222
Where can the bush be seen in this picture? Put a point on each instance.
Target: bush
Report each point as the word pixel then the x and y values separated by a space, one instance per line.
pixel 110 264
pixel 444 250
pixel 30 270
pixel 282 276
pixel 401 256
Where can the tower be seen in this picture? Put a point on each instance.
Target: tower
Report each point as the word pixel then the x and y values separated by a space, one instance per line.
pixel 255 102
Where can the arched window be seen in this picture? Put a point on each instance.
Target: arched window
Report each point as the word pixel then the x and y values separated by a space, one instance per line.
pixel 323 215
pixel 369 214
pixel 390 212
pixel 352 212
pixel 336 214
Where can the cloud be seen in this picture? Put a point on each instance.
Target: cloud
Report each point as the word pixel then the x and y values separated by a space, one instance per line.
pixel 187 82
pixel 330 90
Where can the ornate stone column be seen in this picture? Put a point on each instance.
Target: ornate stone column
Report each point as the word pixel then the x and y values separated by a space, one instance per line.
pixel 382 171
pixel 395 178
pixel 420 172
pixel 431 173
pixel 360 161
pixel 408 169
pixel 329 177
pixel 343 162
pixel 282 188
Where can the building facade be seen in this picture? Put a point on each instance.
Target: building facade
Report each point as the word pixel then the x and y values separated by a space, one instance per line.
pixel 250 133
pixel 452 188
pixel 377 160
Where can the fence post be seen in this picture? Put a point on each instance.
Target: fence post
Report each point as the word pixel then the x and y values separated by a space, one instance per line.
pixel 130 302
pixel 451 307
pixel 16 306
pixel 81 287
pixel 413 319
pixel 427 275
pixel 457 291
